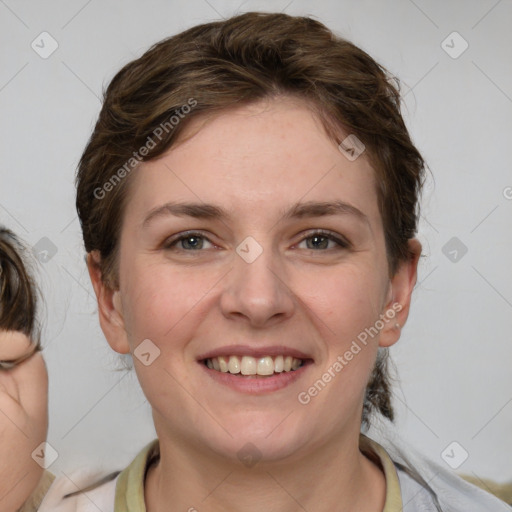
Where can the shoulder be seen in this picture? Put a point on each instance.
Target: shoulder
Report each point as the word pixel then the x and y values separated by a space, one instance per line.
pixel 415 496
pixel 100 497
pixel 415 483
pixel 34 501
pixel 433 488
pixel 403 491
pixel 92 491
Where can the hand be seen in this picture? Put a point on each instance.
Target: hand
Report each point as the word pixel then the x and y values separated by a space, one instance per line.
pixel 23 418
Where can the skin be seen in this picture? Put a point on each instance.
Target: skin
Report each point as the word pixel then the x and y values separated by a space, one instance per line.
pixel 23 420
pixel 255 162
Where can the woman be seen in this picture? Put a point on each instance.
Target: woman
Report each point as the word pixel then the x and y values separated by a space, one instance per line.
pixel 248 201
pixel 23 384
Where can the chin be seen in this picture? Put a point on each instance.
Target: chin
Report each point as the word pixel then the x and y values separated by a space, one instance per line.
pixel 267 439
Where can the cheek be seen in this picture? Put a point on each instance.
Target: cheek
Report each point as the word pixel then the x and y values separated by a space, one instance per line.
pixel 158 298
pixel 347 301
pixel 345 307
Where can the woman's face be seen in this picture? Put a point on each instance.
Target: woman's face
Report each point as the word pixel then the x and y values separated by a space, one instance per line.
pixel 256 238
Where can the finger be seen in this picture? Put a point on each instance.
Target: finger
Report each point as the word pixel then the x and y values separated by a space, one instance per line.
pixel 33 386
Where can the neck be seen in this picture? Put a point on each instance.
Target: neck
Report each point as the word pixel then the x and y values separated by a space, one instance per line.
pixel 333 476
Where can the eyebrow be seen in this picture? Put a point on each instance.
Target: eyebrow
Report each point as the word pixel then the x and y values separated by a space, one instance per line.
pixel 297 211
pixel 196 210
pixel 323 209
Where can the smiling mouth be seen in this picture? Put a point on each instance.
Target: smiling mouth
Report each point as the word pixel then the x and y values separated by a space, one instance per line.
pixel 247 366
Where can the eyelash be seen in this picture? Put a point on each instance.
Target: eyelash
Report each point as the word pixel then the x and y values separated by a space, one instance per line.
pixel 342 243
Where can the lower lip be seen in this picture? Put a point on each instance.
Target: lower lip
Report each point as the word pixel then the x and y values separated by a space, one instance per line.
pixel 256 385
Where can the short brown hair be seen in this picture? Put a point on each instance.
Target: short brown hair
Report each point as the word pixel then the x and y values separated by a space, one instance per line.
pixel 241 60
pixel 18 291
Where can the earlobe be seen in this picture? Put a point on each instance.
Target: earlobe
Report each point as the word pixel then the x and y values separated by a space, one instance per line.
pixel 110 310
pixel 401 288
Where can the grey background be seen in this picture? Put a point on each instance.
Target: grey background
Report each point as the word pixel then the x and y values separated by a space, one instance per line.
pixel 454 358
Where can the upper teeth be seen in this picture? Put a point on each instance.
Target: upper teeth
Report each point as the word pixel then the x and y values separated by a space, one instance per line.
pixel 247 365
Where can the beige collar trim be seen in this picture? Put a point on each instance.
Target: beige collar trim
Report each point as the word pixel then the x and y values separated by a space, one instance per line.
pixel 130 483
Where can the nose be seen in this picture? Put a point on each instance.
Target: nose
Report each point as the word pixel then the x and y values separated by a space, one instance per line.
pixel 257 292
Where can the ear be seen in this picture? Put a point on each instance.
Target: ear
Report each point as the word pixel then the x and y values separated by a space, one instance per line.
pixel 110 310
pixel 399 296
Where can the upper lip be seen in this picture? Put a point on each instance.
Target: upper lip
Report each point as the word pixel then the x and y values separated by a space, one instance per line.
pixel 245 350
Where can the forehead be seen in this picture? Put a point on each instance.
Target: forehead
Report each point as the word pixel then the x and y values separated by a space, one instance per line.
pixel 264 155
